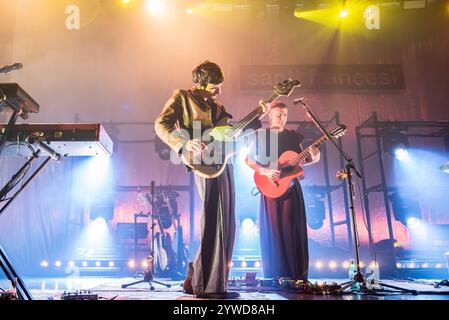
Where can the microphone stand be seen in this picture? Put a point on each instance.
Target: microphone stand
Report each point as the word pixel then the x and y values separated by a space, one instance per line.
pixel 5 264
pixel 346 174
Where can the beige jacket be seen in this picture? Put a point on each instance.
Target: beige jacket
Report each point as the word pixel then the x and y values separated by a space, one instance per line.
pixel 179 113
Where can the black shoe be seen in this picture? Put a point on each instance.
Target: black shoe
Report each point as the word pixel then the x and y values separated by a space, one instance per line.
pixel 220 296
pixel 187 286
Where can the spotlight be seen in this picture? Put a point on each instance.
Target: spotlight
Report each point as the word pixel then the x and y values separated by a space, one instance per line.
pixel 345 264
pixel 111 264
pixel 318 264
pixel 145 264
pixel 244 264
pixel 98 264
pixel 257 264
pixel 406 211
pixel 58 264
pixel 395 142
pixel 401 153
pixel 131 264
pixel 248 225
pixel 71 263
pixel 344 13
pixel 332 265
pixel 156 7
pixel 189 11
pixel 102 209
pixel 413 222
pixel 231 264
pixel 438 265
pixel 425 265
pixel 84 264
pixel 44 263
pixel 398 265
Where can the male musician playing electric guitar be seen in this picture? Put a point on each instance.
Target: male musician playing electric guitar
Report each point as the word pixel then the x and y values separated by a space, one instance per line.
pixel 283 227
pixel 207 275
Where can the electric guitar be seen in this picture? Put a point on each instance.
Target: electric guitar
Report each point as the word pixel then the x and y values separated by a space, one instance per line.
pixel 289 163
pixel 211 162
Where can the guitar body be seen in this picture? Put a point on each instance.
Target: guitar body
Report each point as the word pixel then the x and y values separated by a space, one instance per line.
pixel 277 189
pixel 212 161
pixel 160 255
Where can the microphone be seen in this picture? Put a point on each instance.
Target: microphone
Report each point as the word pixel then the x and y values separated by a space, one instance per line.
pixel 44 148
pixel 300 100
pixel 15 66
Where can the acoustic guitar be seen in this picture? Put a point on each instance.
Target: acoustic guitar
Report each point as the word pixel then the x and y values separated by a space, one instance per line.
pixel 290 165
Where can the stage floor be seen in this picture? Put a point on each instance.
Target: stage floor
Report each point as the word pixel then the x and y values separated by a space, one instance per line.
pixel 109 288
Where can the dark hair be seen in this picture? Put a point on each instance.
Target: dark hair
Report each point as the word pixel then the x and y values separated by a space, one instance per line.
pixel 207 72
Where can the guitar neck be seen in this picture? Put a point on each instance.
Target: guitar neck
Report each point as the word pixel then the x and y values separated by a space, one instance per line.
pixel 306 153
pixel 242 124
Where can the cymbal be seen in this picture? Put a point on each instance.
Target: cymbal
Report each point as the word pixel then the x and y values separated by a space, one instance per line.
pixel 445 167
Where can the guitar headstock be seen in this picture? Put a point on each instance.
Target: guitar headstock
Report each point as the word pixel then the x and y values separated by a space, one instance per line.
pixel 338 131
pixel 286 87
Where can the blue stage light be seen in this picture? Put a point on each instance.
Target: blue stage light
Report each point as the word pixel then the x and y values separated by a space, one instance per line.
pixel 405 210
pixel 401 153
pixel 413 222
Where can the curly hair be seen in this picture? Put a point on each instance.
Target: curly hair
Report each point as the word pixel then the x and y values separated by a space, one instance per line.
pixel 207 72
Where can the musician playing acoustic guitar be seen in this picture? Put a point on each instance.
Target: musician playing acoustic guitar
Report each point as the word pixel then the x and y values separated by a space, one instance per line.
pixel 283 226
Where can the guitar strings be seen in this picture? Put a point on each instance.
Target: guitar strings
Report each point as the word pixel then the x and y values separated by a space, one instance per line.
pixel 247 119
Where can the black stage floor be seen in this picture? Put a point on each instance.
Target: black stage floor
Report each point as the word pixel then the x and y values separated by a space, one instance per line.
pixel 109 288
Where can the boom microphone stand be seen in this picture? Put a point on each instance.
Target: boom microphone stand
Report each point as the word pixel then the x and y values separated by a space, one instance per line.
pixel 149 273
pixel 345 174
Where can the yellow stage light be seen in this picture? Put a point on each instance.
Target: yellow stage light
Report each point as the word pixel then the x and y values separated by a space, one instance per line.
pixel 156 7
pixel 344 13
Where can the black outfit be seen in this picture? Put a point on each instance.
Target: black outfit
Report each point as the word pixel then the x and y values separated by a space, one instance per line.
pixel 283 225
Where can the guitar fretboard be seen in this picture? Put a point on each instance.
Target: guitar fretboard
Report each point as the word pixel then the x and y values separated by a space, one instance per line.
pixel 301 157
pixel 235 130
